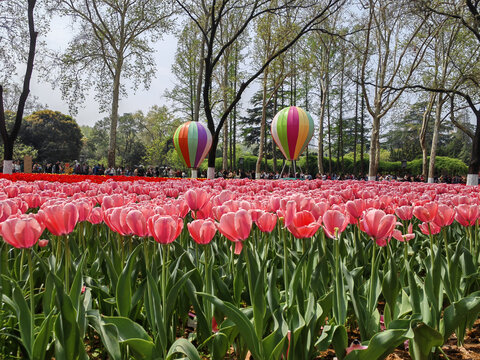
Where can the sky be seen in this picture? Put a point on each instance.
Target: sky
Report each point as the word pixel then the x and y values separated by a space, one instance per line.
pixel 88 113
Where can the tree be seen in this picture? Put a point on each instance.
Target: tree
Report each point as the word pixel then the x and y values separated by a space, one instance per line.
pixel 186 68
pixel 393 36
pixel 9 16
pixel 158 129
pixel 246 12
pixel 467 15
pixel 113 43
pixel 56 136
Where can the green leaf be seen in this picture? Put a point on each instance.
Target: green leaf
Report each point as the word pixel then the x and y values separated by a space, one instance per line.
pixel 381 344
pixel 124 286
pixel 459 315
pixel 153 309
pixel 69 341
pixel 425 338
pixel 174 291
pixel 340 341
pixel 220 346
pixel 245 327
pixel 183 346
pixel 108 334
pixel 24 317
pixel 127 329
pixel 142 349
pixel 42 338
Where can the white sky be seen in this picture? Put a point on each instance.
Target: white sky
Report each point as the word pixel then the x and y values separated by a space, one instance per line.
pixel 88 113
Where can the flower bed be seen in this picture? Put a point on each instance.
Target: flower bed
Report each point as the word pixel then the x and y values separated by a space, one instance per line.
pixel 275 269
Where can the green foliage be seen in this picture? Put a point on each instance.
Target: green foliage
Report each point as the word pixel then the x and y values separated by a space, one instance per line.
pixel 443 166
pixel 56 137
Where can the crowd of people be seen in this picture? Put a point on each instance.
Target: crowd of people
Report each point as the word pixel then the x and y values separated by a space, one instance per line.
pixel 158 171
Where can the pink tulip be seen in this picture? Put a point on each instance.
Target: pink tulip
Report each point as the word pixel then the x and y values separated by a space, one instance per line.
pixel 334 223
pixel 266 222
pixel 397 234
pixel 196 198
pixel 21 232
pixel 43 242
pixel 427 212
pixel 235 226
pixel 429 228
pixel 355 208
pixel 95 216
pixel 404 213
pixel 202 231
pixel 467 215
pixel 165 229
pixel 355 345
pixel 116 220
pixel 378 225
pixel 137 223
pixel 303 225
pixel 445 215
pixel 60 219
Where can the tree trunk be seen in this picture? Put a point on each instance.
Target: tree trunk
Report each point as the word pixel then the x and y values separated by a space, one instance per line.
pixel 423 134
pixel 114 116
pixel 261 148
pixel 362 136
pixel 436 131
pixel 198 92
pixel 323 100
pixel 340 119
pixel 9 139
pixel 225 107
pixel 374 150
pixel 274 150
pixel 474 167
pixel 355 130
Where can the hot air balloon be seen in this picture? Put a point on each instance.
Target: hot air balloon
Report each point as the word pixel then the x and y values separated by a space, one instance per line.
pixel 292 129
pixel 192 141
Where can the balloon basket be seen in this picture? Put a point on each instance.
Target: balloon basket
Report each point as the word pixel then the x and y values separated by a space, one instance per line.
pixel 293 165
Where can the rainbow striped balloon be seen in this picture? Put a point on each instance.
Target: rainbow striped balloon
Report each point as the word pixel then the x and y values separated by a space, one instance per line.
pixel 192 141
pixel 292 129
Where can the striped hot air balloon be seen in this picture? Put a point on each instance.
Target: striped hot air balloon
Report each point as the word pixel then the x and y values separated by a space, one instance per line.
pixel 292 129
pixel 192 141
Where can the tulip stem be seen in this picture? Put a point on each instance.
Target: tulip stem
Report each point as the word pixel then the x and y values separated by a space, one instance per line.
pixel 371 305
pixel 447 252
pixel 67 263
pixel 164 283
pixel 32 289
pixel 285 277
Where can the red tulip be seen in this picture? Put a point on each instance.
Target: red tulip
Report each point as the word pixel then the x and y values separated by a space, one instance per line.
pixel 445 215
pixel 427 212
pixel 266 222
pixel 397 234
pixel 467 215
pixel 429 228
pixel 21 232
pixel 137 223
pixel 165 229
pixel 196 198
pixel 202 231
pixel 404 213
pixel 303 225
pixel 378 225
pixel 60 219
pixel 334 223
